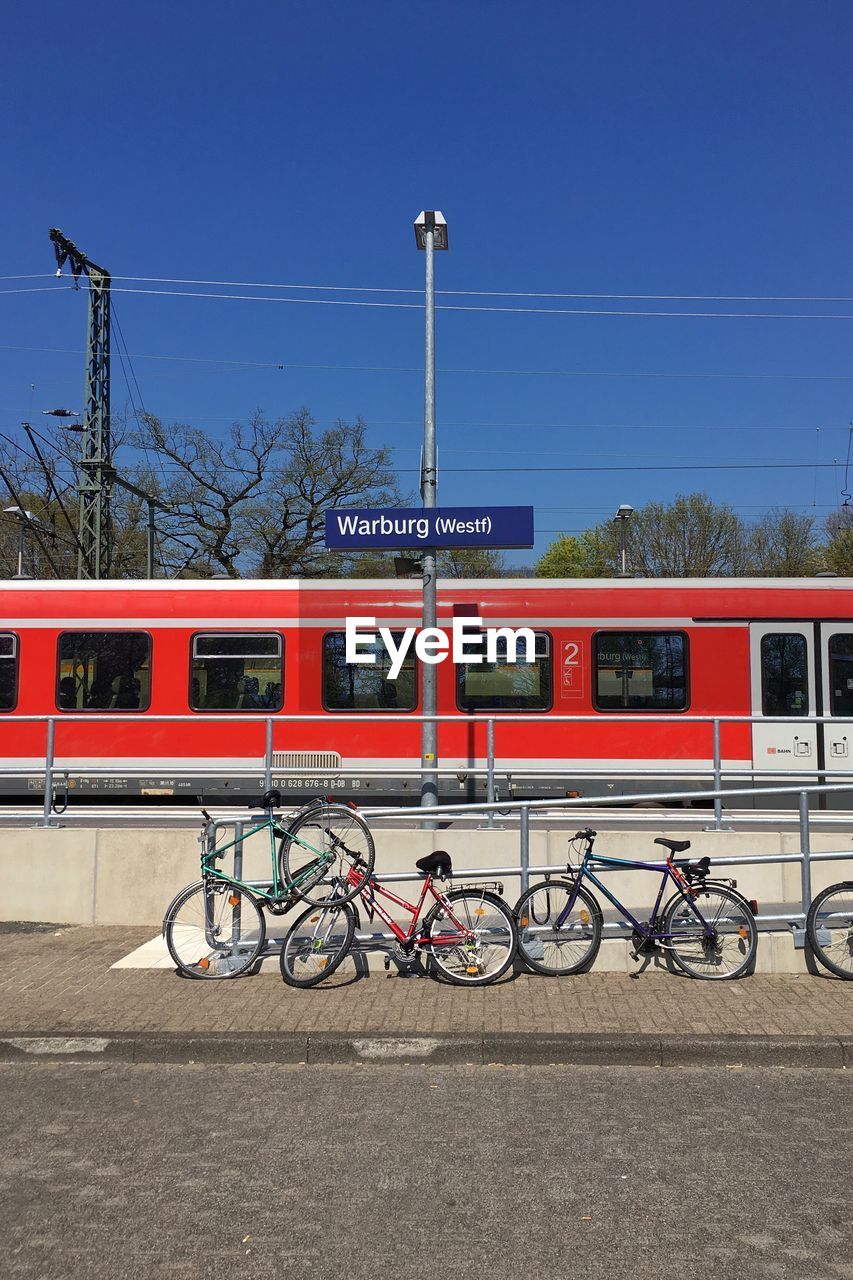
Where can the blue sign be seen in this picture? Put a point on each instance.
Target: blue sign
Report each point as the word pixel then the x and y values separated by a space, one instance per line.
pixel 399 529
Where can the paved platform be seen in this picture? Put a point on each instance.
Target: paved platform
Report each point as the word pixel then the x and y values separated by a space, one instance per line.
pixel 59 984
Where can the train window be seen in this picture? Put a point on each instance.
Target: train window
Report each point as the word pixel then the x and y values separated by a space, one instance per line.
pixel 841 675
pixel 507 686
pixel 784 675
pixel 358 687
pixel 236 672
pixel 8 671
pixel 641 671
pixel 104 671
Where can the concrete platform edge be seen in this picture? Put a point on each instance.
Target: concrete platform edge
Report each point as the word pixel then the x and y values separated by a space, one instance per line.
pixel 603 1049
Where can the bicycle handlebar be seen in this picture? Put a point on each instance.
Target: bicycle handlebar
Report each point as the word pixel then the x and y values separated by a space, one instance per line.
pixel 586 834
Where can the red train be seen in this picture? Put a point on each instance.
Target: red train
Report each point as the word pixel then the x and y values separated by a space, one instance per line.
pixel 609 650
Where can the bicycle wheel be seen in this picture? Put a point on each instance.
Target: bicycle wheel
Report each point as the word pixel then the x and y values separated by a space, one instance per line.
pixel 214 930
pixel 552 946
pixel 316 943
pixel 325 853
pixel 473 939
pixel 726 948
pixel 829 926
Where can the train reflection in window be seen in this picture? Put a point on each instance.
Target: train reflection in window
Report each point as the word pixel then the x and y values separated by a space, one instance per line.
pixel 104 671
pixel 784 678
pixel 8 671
pixel 359 687
pixel 237 672
pixel 841 675
pixel 507 686
pixel 641 671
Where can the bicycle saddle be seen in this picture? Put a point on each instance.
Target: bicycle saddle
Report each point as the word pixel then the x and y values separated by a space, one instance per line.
pixel 696 866
pixel 674 846
pixel 436 864
pixel 269 800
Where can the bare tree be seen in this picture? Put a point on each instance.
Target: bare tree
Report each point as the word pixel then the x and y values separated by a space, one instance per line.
pixel 784 545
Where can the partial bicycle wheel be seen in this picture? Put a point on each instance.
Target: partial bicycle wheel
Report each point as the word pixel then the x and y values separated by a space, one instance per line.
pixel 214 930
pixel 474 939
pixel 829 926
pixel 316 943
pixel 325 853
pixel 714 935
pixel 551 939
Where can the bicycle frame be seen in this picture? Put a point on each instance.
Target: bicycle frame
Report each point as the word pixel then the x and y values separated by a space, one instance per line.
pixel 368 894
pixel 668 873
pixel 278 890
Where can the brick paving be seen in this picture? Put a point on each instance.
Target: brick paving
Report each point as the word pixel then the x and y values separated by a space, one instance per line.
pixel 61 980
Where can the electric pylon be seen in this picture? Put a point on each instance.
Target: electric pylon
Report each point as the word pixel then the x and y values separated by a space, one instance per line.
pixel 94 531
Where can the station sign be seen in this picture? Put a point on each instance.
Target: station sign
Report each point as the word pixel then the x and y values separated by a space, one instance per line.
pixel 405 528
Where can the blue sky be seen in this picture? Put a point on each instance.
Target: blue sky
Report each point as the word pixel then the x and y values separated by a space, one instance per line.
pixel 607 147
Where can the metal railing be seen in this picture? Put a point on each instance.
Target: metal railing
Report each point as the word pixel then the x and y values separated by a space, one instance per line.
pixel 793 918
pixel 716 770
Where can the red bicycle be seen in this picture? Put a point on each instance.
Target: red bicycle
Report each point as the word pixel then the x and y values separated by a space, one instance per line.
pixel 468 935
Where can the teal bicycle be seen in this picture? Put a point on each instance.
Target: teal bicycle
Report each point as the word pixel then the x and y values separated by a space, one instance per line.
pixel 215 927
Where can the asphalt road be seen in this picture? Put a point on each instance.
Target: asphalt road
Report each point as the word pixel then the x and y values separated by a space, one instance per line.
pixel 536 1173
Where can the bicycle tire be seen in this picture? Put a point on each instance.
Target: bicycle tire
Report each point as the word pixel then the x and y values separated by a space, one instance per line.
pixel 341 838
pixel 576 944
pixel 200 927
pixel 839 948
pixel 316 944
pixel 479 962
pixel 731 950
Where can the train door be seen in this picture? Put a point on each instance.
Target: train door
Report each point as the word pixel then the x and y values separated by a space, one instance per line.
pixel 836 641
pixel 782 663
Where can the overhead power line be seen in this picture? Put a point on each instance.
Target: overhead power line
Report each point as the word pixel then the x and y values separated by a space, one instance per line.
pixel 418 369
pixel 478 293
pixel 549 311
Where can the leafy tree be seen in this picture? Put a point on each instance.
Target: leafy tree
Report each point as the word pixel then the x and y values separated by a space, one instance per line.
pixel 838 551
pixel 591 554
pixel 690 537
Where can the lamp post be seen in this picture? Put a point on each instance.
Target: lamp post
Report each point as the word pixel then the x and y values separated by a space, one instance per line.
pixel 23 519
pixel 623 515
pixel 430 234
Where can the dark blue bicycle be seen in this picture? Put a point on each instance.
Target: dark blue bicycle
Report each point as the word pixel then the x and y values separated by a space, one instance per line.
pixel 704 925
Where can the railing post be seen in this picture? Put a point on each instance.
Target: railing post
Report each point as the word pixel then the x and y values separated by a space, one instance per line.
pixel 490 769
pixel 524 840
pixel 718 779
pixel 237 909
pixel 268 756
pixel 48 773
pixel 806 851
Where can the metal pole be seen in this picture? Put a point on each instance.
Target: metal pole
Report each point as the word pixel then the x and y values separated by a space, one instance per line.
pixel 524 815
pixel 48 773
pixel 150 556
pixel 624 557
pixel 490 770
pixel 237 908
pixel 268 756
pixel 718 779
pixel 429 494
pixel 806 851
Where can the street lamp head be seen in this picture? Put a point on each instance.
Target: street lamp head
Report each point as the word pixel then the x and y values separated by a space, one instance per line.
pixel 18 513
pixel 624 512
pixel 431 220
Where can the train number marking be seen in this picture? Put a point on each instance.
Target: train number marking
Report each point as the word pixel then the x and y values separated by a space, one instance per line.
pixel 572 669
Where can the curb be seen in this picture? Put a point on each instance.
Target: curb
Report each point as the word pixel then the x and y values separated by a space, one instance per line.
pixel 592 1049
